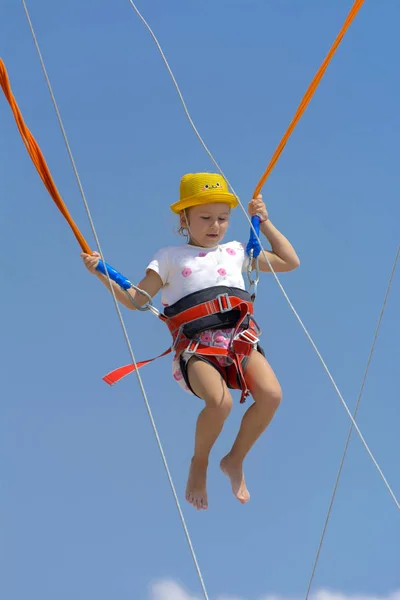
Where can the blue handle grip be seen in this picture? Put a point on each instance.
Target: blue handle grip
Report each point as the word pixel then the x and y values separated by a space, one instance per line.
pixel 114 275
pixel 253 243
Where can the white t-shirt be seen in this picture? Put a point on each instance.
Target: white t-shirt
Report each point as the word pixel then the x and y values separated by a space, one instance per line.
pixel 185 269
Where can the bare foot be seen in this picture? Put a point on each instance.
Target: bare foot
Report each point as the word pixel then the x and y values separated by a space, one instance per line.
pixel 235 473
pixel 196 491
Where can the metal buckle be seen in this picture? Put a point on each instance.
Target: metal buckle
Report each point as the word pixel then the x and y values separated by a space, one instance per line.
pixel 227 300
pixel 248 336
pixel 191 350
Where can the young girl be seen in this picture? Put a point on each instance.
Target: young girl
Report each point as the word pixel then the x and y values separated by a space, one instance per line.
pixel 201 270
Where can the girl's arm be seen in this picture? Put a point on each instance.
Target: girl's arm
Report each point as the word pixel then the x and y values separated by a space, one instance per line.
pixel 151 283
pixel 282 255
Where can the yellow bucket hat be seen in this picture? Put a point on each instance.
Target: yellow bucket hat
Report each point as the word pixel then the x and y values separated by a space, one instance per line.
pixel 203 188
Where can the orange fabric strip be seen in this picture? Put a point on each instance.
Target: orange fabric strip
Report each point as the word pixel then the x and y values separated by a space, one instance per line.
pixel 38 159
pixel 309 94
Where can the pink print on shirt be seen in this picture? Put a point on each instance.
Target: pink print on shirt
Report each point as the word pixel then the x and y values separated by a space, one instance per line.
pixel 187 272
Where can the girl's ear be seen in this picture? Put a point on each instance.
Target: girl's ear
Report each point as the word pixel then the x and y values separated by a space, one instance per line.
pixel 183 225
pixel 184 218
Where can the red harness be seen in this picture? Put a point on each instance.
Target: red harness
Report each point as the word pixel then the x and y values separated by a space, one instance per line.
pixel 243 342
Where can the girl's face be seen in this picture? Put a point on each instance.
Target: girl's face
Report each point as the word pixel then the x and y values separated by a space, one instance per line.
pixel 207 224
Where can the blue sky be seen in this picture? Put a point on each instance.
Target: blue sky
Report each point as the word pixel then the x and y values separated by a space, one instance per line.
pixel 86 507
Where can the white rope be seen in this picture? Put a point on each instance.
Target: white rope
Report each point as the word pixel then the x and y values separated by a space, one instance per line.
pixel 351 426
pixel 118 310
pixel 264 253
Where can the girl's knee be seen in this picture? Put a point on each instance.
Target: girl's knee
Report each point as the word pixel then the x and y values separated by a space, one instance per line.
pixel 270 396
pixel 275 396
pixel 262 382
pixel 220 401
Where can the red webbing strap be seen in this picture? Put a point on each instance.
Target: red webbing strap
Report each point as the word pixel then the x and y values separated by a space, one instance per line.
pixel 119 373
pixel 205 309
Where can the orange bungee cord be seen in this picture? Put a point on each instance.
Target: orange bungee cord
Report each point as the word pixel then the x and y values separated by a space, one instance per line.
pixel 308 95
pixel 38 159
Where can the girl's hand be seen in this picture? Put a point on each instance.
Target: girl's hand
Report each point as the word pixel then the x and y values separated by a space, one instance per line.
pixel 257 207
pixel 91 261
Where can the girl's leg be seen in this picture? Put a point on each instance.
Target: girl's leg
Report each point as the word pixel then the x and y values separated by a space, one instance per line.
pixel 267 394
pixel 207 383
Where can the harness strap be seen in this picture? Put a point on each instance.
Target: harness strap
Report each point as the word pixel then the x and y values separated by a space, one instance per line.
pixel 239 350
pixel 119 373
pixel 220 304
pixel 184 344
